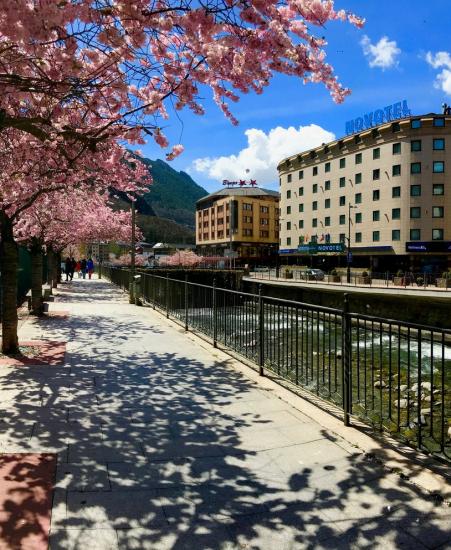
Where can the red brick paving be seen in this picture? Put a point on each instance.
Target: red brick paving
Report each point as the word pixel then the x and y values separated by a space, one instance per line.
pixel 50 353
pixel 26 484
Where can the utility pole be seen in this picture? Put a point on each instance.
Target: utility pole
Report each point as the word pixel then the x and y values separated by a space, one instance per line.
pixel 132 256
pixel 348 248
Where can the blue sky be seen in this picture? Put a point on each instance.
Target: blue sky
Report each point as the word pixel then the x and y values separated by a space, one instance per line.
pixel 393 68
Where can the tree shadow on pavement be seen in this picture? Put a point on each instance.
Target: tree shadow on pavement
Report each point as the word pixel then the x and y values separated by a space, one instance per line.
pixel 161 446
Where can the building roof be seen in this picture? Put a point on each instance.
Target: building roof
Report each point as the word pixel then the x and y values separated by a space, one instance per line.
pixel 240 192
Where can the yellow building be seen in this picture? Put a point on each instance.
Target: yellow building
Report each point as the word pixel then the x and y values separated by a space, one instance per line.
pixel 253 215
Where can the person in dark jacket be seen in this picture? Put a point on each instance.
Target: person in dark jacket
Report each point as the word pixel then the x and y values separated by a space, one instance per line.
pixel 73 263
pixel 83 268
pixel 90 267
pixel 67 267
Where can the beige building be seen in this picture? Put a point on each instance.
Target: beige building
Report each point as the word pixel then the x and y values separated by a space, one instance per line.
pixel 252 214
pixel 388 188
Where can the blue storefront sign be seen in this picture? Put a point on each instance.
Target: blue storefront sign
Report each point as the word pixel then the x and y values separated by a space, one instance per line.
pixel 428 246
pixel 379 116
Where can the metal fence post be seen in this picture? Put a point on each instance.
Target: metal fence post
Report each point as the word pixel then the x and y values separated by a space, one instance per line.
pixel 215 316
pixel 167 295
pixel 186 301
pixel 261 332
pixel 346 359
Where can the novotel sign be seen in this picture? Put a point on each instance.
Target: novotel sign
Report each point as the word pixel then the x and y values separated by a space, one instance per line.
pixel 379 116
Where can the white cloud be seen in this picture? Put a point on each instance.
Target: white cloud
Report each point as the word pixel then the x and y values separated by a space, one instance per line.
pixel 263 153
pixel 441 60
pixel 383 54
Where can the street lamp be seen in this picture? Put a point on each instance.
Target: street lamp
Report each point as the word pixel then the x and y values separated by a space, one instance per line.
pixel 348 251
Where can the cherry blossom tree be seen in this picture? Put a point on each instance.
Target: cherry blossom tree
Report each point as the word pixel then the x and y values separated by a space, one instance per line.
pixel 83 71
pixel 182 258
pixel 31 169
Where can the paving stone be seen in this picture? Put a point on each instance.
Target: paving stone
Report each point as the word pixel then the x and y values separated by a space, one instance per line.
pixel 86 477
pixel 83 539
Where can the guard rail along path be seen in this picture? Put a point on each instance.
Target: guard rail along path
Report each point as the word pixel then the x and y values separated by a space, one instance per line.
pixel 395 376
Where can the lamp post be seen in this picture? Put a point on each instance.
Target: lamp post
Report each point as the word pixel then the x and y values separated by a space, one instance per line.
pixel 132 257
pixel 348 248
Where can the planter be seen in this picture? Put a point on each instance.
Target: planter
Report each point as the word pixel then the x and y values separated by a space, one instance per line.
pixel 444 283
pixel 333 278
pixel 401 281
pixel 363 280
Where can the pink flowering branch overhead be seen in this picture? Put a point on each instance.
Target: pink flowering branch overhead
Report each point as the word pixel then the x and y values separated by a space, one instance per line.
pixel 80 72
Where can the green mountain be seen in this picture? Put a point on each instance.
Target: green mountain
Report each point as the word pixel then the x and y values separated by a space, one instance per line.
pixel 173 194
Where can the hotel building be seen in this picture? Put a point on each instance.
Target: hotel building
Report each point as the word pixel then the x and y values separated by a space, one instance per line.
pixel 387 188
pixel 239 222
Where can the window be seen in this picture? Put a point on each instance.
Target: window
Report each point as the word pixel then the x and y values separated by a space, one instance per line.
pixel 415 145
pixel 395 127
pixel 415 124
pixel 376 195
pixel 289 178
pixel 327 185
pixel 327 203
pixel 358 158
pixel 438 211
pixel 358 237
pixel 301 174
pixel 396 192
pixel 315 222
pixel 327 221
pixel 438 167
pixel 288 194
pixel 342 182
pixel 314 239
pixel 342 219
pixel 358 178
pixel 327 167
pixel 438 144
pixel 264 221
pixel 248 219
pixel 301 208
pixel 376 215
pixel 315 170
pixel 288 241
pixel 415 190
pixel 342 163
pixel 264 209
pixel 437 234
pixel 264 234
pixel 315 205
pixel 439 122
pixel 376 153
pixel 301 224
pixel 358 217
pixel 342 237
pixel 396 170
pixel 415 212
pixel 315 188
pixel 301 191
pixel 438 189
pixel 376 236
pixel 415 168
pixel 358 198
pixel 376 174
pixel 396 213
pixel 247 232
pixel 395 235
pixel 415 234
pixel 342 201
pixel 248 206
pixel 288 209
pixel 396 148
pixel 288 226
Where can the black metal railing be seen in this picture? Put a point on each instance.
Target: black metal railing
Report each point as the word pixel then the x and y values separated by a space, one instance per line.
pixel 394 375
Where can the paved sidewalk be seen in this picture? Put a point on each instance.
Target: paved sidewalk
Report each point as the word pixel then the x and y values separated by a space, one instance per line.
pixel 163 445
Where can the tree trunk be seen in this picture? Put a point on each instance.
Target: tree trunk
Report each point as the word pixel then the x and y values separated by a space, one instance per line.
pixel 9 264
pixel 36 279
pixel 52 269
pixel 58 267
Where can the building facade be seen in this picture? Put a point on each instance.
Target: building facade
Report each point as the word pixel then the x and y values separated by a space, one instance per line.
pixel 385 191
pixel 242 223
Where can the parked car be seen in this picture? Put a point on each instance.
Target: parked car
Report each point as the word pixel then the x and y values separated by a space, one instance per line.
pixel 314 274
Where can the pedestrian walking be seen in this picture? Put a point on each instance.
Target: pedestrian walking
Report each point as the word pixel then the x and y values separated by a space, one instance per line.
pixel 83 267
pixel 72 267
pixel 67 268
pixel 78 268
pixel 90 267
